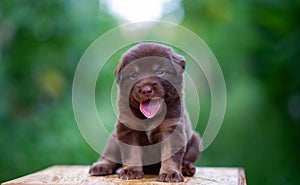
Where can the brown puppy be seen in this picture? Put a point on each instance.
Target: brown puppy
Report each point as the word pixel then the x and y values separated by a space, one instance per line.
pixel 153 133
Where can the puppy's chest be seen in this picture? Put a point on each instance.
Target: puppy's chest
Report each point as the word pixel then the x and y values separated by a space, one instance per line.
pixel 147 138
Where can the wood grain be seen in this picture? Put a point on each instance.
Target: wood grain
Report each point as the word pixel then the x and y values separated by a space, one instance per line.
pixel 73 175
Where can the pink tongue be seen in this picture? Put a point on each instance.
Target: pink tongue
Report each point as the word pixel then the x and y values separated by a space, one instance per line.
pixel 149 108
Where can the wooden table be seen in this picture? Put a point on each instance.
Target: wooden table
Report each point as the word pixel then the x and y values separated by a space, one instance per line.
pixel 79 175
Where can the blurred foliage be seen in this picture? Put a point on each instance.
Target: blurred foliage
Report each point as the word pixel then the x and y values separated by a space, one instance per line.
pixel 256 43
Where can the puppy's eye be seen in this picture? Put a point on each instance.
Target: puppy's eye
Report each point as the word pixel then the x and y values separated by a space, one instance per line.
pixel 160 72
pixel 133 76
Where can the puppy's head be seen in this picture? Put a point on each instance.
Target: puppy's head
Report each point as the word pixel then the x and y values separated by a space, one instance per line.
pixel 148 75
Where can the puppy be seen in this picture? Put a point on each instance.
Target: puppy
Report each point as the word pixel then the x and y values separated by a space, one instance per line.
pixel 153 133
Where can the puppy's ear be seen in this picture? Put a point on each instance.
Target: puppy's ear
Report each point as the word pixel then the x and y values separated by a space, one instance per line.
pixel 179 62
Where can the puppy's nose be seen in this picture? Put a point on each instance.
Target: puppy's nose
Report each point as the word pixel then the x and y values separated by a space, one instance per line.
pixel 147 90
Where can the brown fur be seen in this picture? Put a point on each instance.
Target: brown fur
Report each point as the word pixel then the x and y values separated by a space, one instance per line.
pixel 174 121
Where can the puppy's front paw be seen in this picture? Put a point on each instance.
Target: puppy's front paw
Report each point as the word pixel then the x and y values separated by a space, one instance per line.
pixel 100 169
pixel 131 172
pixel 171 176
pixel 188 168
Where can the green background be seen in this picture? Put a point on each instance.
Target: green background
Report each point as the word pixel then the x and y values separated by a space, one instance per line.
pixel 255 41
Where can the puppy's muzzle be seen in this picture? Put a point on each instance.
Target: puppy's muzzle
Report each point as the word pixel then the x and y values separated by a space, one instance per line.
pixel 146 91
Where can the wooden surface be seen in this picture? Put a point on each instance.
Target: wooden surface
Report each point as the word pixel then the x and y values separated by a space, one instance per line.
pixel 79 175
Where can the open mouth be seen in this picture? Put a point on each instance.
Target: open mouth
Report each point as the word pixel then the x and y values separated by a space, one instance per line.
pixel 150 107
